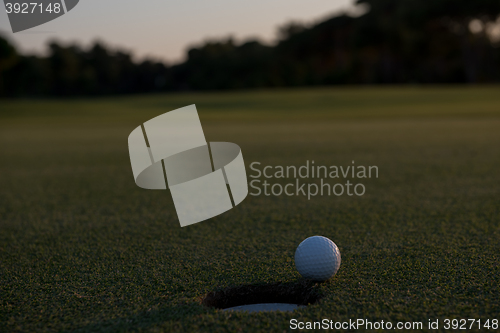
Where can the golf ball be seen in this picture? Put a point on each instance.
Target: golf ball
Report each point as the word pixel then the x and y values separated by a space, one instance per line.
pixel 317 258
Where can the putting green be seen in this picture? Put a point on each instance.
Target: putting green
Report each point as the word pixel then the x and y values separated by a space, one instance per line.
pixel 84 249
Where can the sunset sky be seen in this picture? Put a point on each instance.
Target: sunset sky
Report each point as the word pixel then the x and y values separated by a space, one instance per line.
pixel 162 29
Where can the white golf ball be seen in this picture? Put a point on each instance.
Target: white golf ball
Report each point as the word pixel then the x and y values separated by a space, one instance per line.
pixel 317 258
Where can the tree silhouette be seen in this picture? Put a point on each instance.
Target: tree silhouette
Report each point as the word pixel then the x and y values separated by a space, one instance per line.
pixel 395 41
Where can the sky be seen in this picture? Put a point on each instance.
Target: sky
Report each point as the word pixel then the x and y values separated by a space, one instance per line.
pixel 163 29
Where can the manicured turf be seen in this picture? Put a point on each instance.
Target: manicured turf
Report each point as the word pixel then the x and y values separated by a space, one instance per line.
pixel 82 248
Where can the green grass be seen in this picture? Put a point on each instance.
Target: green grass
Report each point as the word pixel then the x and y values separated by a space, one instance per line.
pixel 83 249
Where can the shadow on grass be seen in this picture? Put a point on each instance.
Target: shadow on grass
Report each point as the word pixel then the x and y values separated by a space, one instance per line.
pixel 303 292
pixel 144 320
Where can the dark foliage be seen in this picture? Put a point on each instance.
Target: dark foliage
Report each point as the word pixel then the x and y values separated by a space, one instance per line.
pixel 396 41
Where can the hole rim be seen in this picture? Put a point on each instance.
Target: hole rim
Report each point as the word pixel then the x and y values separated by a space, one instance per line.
pixel 303 292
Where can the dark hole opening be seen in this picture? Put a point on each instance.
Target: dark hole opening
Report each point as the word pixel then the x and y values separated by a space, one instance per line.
pixel 300 293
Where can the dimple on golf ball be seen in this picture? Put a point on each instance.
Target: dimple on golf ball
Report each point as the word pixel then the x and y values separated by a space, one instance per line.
pixel 317 258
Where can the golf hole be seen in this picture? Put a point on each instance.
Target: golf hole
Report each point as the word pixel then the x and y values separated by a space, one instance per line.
pixel 264 297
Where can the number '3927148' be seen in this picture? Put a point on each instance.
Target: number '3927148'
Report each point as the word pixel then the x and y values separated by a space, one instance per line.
pixel 32 8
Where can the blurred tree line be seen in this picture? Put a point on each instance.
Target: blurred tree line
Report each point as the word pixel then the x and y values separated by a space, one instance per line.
pixel 395 41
